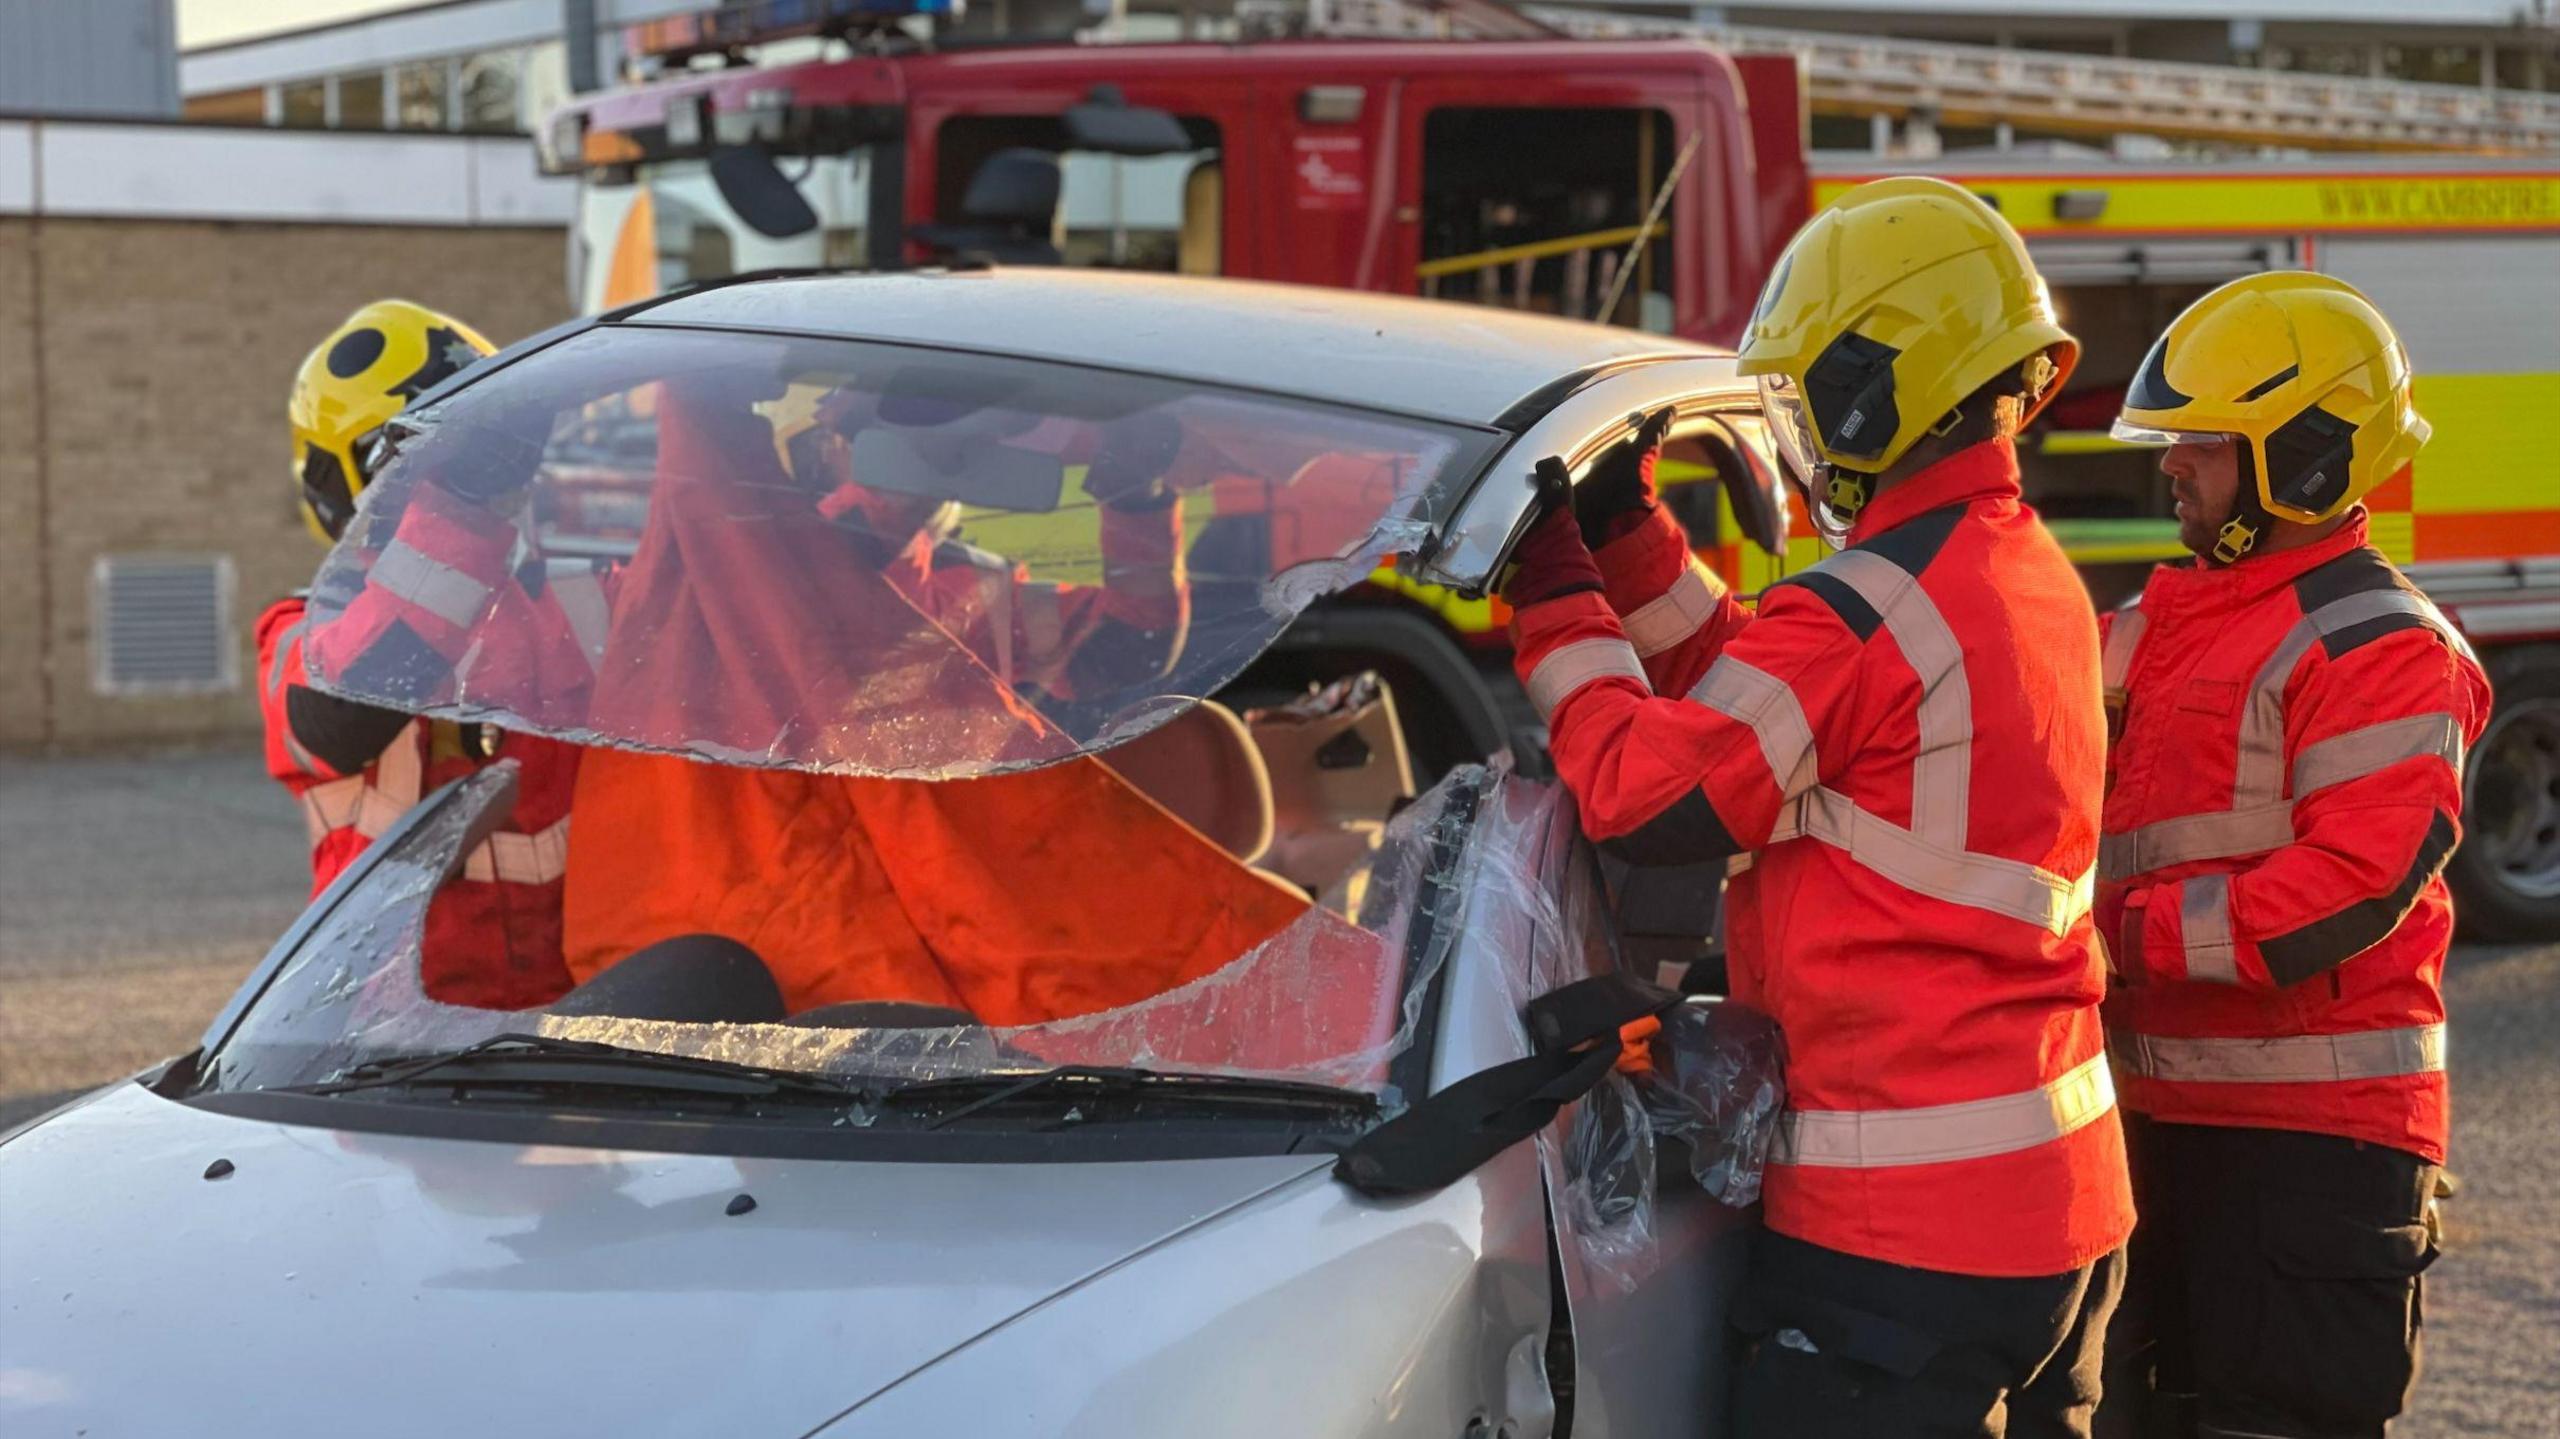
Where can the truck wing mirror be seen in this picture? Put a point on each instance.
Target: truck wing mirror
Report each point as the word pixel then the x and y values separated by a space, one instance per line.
pixel 759 193
pixel 1108 123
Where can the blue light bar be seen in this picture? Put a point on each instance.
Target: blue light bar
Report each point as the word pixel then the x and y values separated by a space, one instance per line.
pixel 750 22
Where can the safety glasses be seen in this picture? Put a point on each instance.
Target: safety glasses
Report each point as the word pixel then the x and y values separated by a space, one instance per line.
pixel 2133 434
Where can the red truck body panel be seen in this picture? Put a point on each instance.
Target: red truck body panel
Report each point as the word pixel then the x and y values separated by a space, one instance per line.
pixel 1745 191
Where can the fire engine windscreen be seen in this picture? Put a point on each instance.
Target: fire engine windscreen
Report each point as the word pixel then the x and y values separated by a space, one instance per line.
pixel 845 556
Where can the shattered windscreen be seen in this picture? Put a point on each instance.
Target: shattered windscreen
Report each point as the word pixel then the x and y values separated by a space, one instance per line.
pixel 848 557
pixel 1328 997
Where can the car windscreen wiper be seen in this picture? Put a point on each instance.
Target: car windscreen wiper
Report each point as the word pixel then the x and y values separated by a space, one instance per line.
pixel 1077 1088
pixel 544 1060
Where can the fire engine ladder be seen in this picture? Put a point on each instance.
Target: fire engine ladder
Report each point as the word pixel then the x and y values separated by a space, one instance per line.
pixel 1984 85
pixel 1981 84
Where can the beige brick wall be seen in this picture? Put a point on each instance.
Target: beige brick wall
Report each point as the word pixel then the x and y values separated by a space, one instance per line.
pixel 166 351
pixel 21 554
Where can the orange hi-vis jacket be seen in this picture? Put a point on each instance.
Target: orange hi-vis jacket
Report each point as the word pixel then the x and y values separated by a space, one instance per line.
pixel 1903 750
pixel 2282 796
pixel 1020 898
pixel 493 934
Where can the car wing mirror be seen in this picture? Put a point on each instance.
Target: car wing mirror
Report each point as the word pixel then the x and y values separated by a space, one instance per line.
pixel 975 472
pixel 1108 123
pixel 1753 484
pixel 759 193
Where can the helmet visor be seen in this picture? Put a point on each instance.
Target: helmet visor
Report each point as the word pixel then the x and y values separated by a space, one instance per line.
pixel 2154 437
pixel 328 487
pixel 1791 432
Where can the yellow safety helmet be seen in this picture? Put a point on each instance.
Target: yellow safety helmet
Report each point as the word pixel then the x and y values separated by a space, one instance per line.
pixel 2305 374
pixel 1888 310
pixel 368 370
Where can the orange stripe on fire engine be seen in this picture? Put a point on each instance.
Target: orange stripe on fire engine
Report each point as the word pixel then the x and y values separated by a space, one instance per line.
pixel 2487 534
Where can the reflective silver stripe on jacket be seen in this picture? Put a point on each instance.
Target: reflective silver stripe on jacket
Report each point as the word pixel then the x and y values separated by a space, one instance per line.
pixel 582 603
pixel 331 805
pixel 1977 1129
pixel 2293 1059
pixel 2010 887
pixel 536 858
pixel 2260 817
pixel 371 808
pixel 2215 834
pixel 1930 858
pixel 1676 613
pixel 1569 667
pixel 1759 699
pixel 2204 917
pixel 2115 662
pixel 1942 774
pixel 284 651
pixel 439 589
pixel 2358 753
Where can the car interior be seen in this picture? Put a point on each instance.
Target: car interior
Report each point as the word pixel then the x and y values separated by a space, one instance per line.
pixel 1300 792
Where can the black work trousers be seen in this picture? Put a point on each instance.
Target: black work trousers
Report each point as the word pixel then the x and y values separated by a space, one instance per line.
pixel 1840 1347
pixel 2273 1288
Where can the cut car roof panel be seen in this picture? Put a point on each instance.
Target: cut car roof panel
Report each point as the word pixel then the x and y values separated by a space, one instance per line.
pixel 1422 357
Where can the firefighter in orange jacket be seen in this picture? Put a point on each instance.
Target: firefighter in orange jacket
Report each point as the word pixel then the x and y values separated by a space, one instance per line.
pixel 1901 752
pixel 493 935
pixel 2284 788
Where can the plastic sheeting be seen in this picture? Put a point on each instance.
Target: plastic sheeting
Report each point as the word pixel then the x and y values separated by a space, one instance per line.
pixel 743 548
pixel 1325 1001
pixel 1705 1114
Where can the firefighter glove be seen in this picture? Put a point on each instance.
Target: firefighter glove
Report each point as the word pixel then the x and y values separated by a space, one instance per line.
pixel 1620 493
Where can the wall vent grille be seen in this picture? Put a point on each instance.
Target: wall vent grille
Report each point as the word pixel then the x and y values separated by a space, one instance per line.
pixel 161 624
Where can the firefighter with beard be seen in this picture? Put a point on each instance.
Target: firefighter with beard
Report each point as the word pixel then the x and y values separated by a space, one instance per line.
pixel 2284 788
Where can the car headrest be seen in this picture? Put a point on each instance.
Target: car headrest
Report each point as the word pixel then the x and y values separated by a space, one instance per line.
pixel 1203 767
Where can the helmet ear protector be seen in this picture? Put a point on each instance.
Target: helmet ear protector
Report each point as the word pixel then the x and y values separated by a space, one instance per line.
pixel 1849 389
pixel 2307 462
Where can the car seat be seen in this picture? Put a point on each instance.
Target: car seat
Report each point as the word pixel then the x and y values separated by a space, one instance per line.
pixel 1203 768
pixel 1338 769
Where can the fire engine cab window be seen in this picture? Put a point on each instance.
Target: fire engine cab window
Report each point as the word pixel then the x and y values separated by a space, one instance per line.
pixel 1116 212
pixel 1539 210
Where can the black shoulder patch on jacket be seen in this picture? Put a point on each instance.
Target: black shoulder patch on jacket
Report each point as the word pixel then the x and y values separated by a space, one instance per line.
pixel 2357 572
pixel 2325 944
pixel 1912 544
pixel 2368 631
pixel 400 665
pixel 1687 833
pixel 1845 601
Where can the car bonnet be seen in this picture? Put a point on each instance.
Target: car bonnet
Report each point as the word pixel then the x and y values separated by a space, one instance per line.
pixel 169 1270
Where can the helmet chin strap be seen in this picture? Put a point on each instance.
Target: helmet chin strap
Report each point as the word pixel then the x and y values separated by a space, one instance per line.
pixel 2249 518
pixel 1842 494
pixel 1833 499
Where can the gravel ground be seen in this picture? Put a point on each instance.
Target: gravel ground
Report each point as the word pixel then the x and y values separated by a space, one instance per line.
pixel 134 893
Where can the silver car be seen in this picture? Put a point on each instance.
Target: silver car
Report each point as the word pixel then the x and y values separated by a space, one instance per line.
pixel 1258 1203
